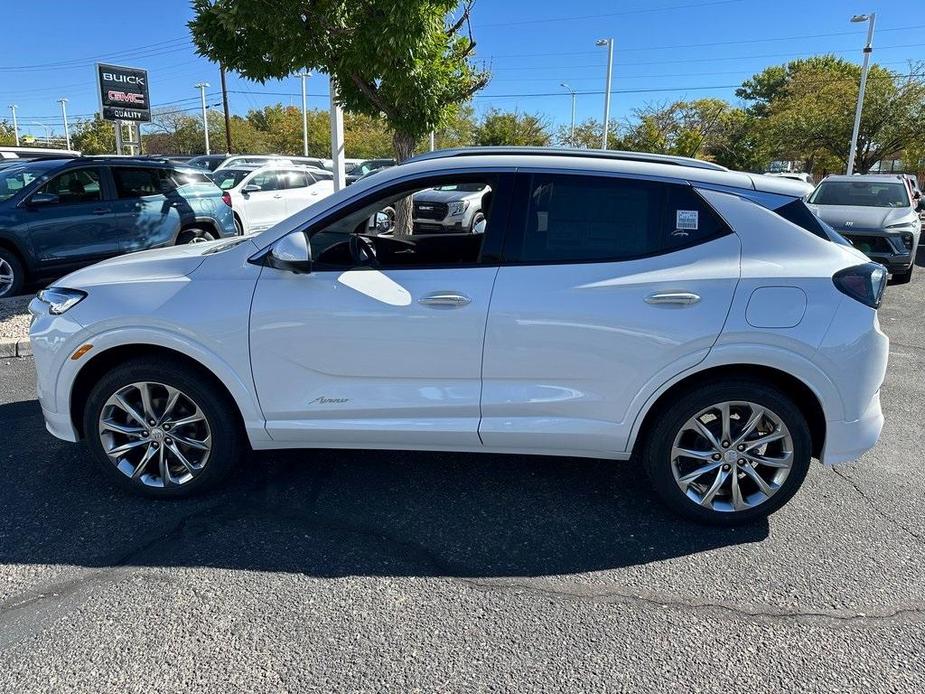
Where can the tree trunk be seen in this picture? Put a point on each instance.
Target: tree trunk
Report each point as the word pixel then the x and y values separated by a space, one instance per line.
pixel 403 146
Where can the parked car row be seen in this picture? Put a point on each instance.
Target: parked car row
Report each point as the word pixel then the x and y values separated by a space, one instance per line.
pixel 607 305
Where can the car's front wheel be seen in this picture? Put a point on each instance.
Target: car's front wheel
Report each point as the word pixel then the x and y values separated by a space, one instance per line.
pixel 728 453
pixel 195 235
pixel 903 277
pixel 159 428
pixel 11 273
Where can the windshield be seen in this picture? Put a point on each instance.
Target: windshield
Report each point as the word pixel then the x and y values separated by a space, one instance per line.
pixel 860 194
pixel 14 178
pixel 229 178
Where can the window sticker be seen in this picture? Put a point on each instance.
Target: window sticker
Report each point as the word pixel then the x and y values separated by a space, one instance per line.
pixel 687 219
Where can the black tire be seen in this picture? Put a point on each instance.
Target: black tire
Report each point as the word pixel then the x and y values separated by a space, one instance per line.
pixel 656 449
pixel 903 277
pixel 227 438
pixel 195 235
pixel 11 260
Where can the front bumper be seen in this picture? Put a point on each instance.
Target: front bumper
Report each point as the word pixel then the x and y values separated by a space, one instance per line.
pixel 888 249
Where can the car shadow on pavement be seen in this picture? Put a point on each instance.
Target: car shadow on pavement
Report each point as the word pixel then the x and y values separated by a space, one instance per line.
pixel 344 513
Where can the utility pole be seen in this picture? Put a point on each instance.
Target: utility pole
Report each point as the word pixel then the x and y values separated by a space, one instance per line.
pixel 432 143
pixel 571 132
pixel 13 108
pixel 337 138
pixel 609 44
pixel 305 75
pixel 871 19
pixel 225 107
pixel 67 133
pixel 202 86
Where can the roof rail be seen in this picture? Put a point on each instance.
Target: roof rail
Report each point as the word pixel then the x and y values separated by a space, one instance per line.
pixel 569 152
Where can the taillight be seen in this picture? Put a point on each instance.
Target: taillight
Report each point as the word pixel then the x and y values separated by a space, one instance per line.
pixel 226 198
pixel 864 283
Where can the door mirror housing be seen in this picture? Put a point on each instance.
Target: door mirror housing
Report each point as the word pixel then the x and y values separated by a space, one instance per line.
pixel 291 253
pixel 42 199
pixel 251 188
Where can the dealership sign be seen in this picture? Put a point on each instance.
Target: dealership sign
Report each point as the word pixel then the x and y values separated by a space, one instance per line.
pixel 123 93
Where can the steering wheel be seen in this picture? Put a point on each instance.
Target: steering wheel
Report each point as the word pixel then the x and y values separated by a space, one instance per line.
pixel 362 251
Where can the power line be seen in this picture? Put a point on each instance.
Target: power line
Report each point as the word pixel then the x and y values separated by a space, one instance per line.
pixel 602 15
pixel 93 58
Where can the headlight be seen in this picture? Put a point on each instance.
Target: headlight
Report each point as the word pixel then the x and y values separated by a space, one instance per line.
pixel 457 208
pixel 901 225
pixel 60 299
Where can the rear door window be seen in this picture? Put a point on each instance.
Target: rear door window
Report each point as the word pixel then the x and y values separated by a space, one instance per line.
pixel 136 183
pixel 581 218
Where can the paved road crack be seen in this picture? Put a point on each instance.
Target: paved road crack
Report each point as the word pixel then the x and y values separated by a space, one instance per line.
pixel 883 514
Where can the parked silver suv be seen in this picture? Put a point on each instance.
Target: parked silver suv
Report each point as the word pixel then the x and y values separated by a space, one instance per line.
pixel 452 208
pixel 876 214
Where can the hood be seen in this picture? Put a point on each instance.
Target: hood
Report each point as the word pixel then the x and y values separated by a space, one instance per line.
pixel 447 195
pixel 858 218
pixel 155 264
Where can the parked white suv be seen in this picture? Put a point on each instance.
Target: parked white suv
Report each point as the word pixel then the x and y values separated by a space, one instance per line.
pixel 699 320
pixel 264 196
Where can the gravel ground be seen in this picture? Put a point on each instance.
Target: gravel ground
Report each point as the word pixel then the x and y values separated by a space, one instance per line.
pixel 14 317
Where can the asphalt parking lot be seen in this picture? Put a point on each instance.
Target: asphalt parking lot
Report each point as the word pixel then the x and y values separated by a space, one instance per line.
pixel 366 571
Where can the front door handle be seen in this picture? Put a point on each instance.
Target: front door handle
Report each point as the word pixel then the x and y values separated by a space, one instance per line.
pixel 278 196
pixel 445 300
pixel 675 298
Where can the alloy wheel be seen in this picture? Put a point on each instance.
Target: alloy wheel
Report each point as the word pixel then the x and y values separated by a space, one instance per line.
pixel 732 456
pixel 155 434
pixel 7 277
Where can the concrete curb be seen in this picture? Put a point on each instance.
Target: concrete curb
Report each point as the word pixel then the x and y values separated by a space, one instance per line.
pixel 15 347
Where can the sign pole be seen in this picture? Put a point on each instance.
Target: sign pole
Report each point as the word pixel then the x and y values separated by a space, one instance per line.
pixel 118 126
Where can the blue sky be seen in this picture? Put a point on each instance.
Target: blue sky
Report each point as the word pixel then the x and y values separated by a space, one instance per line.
pixel 664 50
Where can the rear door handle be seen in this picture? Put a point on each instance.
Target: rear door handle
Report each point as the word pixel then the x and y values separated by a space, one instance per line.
pixel 676 298
pixel 445 300
pixel 101 210
pixel 278 196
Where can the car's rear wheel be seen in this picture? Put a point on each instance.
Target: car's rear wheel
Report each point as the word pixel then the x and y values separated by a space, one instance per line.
pixel 159 428
pixel 728 453
pixel 903 277
pixel 477 219
pixel 195 235
pixel 12 274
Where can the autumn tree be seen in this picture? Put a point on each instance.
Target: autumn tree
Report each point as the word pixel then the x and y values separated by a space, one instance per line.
pixel 512 128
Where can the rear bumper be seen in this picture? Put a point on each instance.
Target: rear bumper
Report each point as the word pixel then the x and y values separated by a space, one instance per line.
pixel 847 441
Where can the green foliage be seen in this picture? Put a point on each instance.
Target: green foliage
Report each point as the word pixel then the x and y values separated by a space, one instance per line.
pixel 588 135
pixel 94 136
pixel 7 136
pixel 404 60
pixel 512 128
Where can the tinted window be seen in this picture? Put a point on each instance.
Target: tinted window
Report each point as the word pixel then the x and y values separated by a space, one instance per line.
pixel 229 178
pixel 596 218
pixel 182 178
pixel 294 179
pixel 861 193
pixel 135 183
pixel 76 185
pixel 266 181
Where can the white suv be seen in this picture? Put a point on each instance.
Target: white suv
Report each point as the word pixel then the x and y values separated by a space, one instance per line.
pixel 699 320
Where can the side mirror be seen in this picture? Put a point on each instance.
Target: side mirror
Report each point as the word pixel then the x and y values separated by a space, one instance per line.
pixel 291 253
pixel 251 188
pixel 41 199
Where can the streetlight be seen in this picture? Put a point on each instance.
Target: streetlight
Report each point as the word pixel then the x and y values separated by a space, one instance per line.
pixel 609 44
pixel 304 75
pixel 45 129
pixel 571 132
pixel 202 86
pixel 67 133
pixel 13 108
pixel 871 19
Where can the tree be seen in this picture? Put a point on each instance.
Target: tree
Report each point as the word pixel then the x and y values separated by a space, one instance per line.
pixel 405 60
pixel 512 128
pixel 588 135
pixel 681 128
pixel 7 136
pixel 94 136
pixel 740 143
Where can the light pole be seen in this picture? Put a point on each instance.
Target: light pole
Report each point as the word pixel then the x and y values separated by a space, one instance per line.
pixel 571 132
pixel 871 19
pixel 67 133
pixel 13 108
pixel 45 129
pixel 609 44
pixel 202 86
pixel 305 75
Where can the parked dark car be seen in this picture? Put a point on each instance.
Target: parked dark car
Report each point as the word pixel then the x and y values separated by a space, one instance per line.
pixel 367 167
pixel 207 162
pixel 60 214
